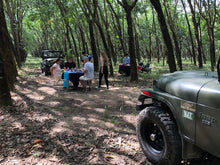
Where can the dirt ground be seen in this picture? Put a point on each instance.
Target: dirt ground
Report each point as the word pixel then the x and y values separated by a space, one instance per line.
pixel 51 125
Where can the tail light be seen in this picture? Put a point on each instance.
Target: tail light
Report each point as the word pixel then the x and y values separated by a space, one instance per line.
pixel 146 93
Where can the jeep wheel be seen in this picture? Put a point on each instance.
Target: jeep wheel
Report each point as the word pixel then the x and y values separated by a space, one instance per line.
pixel 158 136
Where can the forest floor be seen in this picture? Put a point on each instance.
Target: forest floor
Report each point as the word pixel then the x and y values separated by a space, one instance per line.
pixel 51 125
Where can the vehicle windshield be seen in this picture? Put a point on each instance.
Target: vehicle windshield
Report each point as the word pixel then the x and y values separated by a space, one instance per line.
pixel 52 54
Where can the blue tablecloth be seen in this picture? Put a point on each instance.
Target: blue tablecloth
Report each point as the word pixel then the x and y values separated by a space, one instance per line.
pixel 74 78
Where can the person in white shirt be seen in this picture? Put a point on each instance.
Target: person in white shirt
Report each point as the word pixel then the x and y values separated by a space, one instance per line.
pixel 55 70
pixel 88 71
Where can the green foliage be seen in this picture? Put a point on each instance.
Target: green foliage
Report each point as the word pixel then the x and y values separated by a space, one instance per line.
pixel 44 27
pixel 114 121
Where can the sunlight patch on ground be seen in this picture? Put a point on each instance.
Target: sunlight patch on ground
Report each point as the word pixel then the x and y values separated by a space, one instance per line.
pixel 87 103
pixel 79 99
pixel 35 96
pixel 80 120
pixel 94 120
pixel 130 119
pixel 115 88
pixel 59 128
pixel 16 125
pixel 100 110
pixel 130 102
pixel 38 117
pixel 108 124
pixel 52 103
pixel 47 90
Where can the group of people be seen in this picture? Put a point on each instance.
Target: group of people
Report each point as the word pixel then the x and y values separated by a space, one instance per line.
pixel 88 69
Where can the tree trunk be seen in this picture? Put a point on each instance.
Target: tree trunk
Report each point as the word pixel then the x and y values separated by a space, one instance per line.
pixel 166 35
pixel 68 28
pixel 137 46
pixel 5 97
pixel 190 34
pixel 128 8
pixel 6 53
pixel 212 47
pixel 93 46
pixel 118 27
pixel 196 30
pixel 208 11
pixel 175 39
pixel 106 23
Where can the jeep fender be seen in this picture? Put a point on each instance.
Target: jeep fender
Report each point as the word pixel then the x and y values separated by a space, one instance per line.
pixel 165 100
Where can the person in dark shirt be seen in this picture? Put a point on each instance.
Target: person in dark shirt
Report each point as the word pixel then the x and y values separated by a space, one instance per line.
pixel 70 64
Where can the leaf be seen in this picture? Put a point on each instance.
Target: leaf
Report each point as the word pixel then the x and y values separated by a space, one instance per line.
pixel 37 141
pixel 108 157
pixel 35 145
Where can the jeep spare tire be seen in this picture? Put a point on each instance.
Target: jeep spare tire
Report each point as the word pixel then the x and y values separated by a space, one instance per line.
pixel 158 136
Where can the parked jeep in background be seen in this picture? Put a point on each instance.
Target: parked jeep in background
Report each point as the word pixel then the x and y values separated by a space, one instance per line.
pixel 180 117
pixel 48 58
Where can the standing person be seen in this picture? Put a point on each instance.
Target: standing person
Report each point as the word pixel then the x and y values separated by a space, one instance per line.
pixel 126 59
pixel 88 71
pixel 103 69
pixel 70 64
pixel 55 70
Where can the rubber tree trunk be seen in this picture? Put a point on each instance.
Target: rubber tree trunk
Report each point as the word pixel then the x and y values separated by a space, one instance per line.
pixel 166 35
pixel 196 30
pixel 5 50
pixel 212 47
pixel 190 34
pixel 131 46
pixel 175 37
pixel 93 45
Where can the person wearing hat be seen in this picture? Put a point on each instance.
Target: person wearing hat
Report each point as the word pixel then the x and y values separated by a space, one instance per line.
pixel 88 71
pixel 85 55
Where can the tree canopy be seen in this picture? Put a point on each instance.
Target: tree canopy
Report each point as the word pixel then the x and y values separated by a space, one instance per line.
pixel 167 30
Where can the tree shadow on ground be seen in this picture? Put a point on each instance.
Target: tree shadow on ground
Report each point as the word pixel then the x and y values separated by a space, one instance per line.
pixel 73 127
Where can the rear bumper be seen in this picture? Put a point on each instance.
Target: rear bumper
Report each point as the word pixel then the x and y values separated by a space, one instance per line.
pixel 142 97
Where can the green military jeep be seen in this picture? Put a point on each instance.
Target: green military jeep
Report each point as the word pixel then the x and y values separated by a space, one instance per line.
pixel 180 117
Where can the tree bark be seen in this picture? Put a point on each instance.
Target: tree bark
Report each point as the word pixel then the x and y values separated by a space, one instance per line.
pixel 166 35
pixel 196 30
pixel 95 17
pixel 68 29
pixel 5 52
pixel 15 13
pixel 207 10
pixel 175 38
pixel 128 8
pixel 93 45
pixel 118 27
pixel 190 34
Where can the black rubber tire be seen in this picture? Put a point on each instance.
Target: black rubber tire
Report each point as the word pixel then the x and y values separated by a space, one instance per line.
pixel 159 137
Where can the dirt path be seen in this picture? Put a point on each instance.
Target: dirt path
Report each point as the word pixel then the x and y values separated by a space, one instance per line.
pixel 51 125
